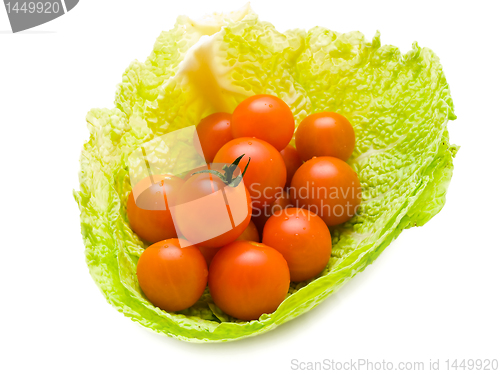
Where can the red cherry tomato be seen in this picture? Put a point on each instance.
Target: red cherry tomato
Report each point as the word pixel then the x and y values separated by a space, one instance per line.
pixel 149 216
pixel 328 187
pixel 250 234
pixel 325 134
pixel 248 279
pixel 266 174
pixel 292 162
pixel 302 238
pixel 213 132
pixel 264 117
pixel 209 213
pixel 172 274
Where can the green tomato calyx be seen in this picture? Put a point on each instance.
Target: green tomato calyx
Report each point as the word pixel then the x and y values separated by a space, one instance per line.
pixel 227 176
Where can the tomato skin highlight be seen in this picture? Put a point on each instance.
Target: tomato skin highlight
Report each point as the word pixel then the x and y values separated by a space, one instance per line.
pixel 213 132
pixel 154 225
pixel 302 238
pixel 292 161
pixel 173 277
pixel 265 177
pixel 247 279
pixel 325 134
pixel 202 223
pixel 335 194
pixel 264 117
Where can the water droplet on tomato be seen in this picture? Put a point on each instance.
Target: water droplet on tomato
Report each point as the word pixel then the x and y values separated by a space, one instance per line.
pixel 249 143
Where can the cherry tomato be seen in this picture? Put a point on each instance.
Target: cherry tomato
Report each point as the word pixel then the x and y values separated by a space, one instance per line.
pixel 209 213
pixel 328 187
pixel 302 238
pixel 325 134
pixel 266 174
pixel 213 132
pixel 208 253
pixel 248 279
pixel 260 216
pixel 172 274
pixel 250 234
pixel 264 117
pixel 292 162
pixel 149 214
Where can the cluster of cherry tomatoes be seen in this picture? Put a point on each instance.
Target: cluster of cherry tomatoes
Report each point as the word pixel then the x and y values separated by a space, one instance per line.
pixel 273 227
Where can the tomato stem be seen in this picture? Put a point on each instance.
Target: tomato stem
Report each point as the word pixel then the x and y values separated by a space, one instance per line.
pixel 227 177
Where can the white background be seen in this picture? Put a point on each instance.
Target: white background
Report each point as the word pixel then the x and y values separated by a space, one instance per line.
pixel 433 294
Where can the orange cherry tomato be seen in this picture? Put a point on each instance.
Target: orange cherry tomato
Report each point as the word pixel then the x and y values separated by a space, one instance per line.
pixel 302 238
pixel 210 213
pixel 292 162
pixel 250 234
pixel 248 279
pixel 325 134
pixel 149 214
pixel 266 174
pixel 213 132
pixel 328 187
pixel 208 253
pixel 260 216
pixel 172 274
pixel 264 117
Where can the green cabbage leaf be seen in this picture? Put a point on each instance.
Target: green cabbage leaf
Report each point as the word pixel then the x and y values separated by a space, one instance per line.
pixel 399 106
